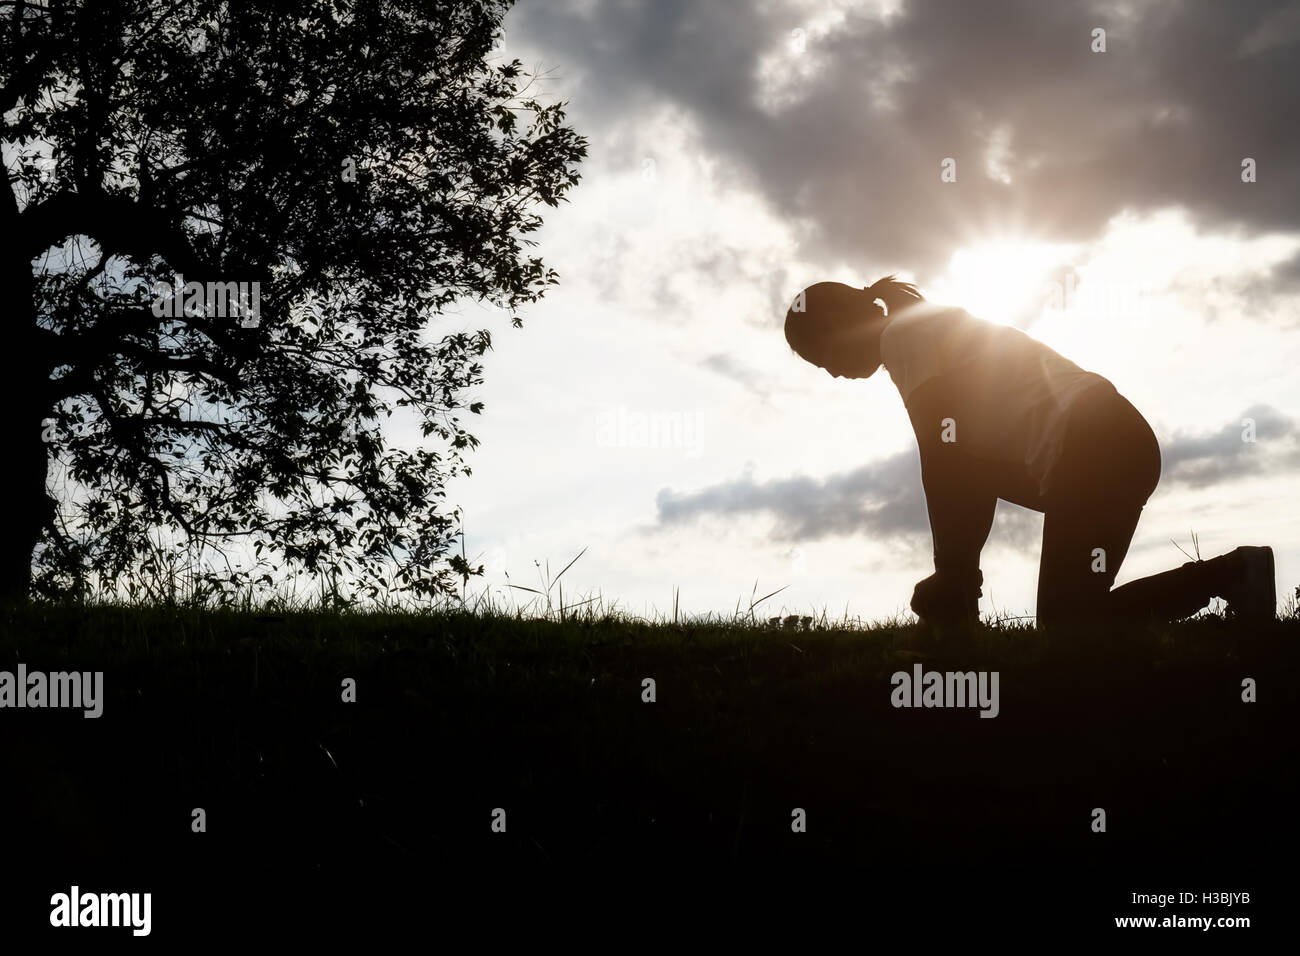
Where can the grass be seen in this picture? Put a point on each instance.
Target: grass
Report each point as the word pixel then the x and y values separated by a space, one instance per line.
pixel 463 710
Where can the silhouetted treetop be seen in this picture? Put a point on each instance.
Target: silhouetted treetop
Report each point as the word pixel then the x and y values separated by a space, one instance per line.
pixel 228 232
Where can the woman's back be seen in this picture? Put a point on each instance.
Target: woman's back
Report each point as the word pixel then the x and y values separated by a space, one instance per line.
pixel 1006 393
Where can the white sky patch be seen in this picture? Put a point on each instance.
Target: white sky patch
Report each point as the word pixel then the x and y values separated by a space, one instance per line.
pixel 1160 309
pixel 1000 279
pixel 608 385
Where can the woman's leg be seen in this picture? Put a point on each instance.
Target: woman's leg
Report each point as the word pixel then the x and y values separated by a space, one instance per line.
pixel 1083 548
pixel 1109 467
pixel 1166 596
pixel 1082 552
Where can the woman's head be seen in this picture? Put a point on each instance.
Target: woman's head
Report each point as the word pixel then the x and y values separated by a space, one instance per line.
pixel 837 327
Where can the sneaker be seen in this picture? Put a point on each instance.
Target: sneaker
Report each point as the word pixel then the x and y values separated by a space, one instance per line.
pixel 1250 585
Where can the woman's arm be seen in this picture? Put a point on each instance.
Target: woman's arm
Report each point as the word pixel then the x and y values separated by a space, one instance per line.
pixel 958 497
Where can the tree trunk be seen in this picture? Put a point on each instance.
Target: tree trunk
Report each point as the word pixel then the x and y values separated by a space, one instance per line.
pixel 23 378
pixel 23 484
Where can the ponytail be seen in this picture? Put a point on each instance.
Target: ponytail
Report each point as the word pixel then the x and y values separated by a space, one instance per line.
pixel 896 295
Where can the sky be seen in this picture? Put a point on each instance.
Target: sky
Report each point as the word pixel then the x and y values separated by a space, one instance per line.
pixel 650 410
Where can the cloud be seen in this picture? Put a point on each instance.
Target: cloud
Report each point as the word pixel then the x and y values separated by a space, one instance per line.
pixel 881 499
pixel 1046 134
pixel 1222 456
pixel 728 367
pixel 884 500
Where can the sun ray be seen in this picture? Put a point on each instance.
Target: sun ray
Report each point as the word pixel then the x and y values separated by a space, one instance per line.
pixel 1004 279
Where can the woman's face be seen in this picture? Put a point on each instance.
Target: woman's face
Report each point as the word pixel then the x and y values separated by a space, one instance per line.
pixel 851 352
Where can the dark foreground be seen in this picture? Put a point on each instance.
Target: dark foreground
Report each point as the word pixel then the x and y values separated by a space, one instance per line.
pixel 322 813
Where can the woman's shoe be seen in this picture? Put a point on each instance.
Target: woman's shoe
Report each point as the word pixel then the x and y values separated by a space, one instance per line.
pixel 1249 583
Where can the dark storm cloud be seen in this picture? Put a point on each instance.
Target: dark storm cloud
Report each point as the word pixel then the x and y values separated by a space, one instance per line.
pixel 1225 455
pixel 1184 92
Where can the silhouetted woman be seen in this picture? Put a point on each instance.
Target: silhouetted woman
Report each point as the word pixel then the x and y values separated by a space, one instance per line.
pixel 998 414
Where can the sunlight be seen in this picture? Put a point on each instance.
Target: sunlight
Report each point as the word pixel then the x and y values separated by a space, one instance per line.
pixel 1001 280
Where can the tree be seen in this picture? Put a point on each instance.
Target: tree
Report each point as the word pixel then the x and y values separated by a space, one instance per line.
pixel 228 228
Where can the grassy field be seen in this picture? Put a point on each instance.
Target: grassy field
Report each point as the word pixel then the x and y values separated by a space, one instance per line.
pixel 457 714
